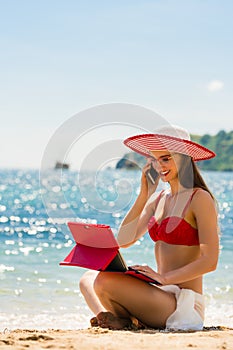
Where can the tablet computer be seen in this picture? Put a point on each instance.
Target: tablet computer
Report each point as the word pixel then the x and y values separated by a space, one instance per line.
pixel 96 248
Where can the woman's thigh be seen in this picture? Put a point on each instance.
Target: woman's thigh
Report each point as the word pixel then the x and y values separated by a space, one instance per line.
pixel 148 303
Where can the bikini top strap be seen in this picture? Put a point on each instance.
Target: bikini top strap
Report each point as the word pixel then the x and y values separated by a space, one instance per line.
pixel 189 201
pixel 158 198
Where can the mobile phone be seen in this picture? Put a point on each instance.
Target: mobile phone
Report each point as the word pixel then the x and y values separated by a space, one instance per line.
pixel 152 174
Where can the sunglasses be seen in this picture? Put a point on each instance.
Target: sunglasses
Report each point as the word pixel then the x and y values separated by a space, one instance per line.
pixel 163 160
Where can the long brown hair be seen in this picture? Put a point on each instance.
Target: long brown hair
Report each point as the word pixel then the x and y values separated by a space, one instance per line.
pixel 190 176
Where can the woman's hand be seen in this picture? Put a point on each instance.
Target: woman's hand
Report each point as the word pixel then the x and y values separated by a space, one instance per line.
pixel 149 272
pixel 146 184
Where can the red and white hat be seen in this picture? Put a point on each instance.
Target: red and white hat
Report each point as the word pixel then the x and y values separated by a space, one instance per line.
pixel 169 137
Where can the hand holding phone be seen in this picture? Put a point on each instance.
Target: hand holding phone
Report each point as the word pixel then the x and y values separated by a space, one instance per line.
pixel 152 174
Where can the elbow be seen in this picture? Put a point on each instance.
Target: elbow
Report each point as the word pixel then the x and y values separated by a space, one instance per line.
pixel 125 240
pixel 210 260
pixel 124 243
pixel 213 265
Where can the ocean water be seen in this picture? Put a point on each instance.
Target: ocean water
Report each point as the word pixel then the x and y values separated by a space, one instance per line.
pixel 35 291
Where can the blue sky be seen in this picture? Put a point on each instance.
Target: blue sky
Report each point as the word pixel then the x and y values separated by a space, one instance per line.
pixel 61 57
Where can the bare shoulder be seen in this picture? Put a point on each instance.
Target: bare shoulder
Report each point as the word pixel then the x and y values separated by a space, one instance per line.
pixel 201 194
pixel 202 199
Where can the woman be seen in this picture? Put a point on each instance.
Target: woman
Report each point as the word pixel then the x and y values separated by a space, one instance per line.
pixel 182 220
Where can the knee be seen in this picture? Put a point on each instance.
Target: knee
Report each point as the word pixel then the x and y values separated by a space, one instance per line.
pixel 86 281
pixel 102 283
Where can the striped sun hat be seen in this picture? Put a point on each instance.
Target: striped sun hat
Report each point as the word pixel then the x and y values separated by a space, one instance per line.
pixel 172 138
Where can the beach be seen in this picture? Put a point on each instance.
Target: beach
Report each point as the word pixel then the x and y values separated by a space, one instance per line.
pixel 95 338
pixel 41 304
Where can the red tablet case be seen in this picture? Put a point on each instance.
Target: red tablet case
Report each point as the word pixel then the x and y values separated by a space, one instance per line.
pixel 97 249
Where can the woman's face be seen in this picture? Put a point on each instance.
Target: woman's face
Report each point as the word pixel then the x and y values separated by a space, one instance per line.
pixel 167 164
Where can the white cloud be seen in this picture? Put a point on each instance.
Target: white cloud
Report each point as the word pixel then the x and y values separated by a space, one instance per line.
pixel 215 85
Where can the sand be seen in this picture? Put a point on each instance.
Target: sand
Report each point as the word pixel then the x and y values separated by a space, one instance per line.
pixel 211 338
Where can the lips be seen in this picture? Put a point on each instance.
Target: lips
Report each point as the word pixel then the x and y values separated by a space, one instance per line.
pixel 164 173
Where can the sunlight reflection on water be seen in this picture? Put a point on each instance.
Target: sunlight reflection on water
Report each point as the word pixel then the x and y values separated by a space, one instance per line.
pixel 36 292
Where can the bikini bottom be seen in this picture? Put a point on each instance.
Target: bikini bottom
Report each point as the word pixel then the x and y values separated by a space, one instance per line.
pixel 189 313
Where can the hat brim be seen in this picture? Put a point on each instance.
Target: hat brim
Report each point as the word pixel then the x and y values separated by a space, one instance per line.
pixel 144 144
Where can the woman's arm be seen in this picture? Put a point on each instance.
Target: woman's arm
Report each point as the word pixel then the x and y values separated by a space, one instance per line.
pixel 135 222
pixel 205 213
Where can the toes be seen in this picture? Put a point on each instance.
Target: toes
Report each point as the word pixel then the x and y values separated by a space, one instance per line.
pixel 94 322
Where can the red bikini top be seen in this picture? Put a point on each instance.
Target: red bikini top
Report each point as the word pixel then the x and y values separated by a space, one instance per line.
pixel 174 229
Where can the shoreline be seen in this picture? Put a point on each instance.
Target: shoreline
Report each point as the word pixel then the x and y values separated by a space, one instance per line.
pixel 99 338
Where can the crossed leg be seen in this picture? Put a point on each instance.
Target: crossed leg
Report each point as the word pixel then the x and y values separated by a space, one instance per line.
pixel 115 298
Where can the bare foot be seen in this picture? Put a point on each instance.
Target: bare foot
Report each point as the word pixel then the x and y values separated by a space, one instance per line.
pixel 108 320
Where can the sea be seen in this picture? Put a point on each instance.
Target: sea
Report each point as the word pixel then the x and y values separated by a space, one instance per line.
pixel 35 206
